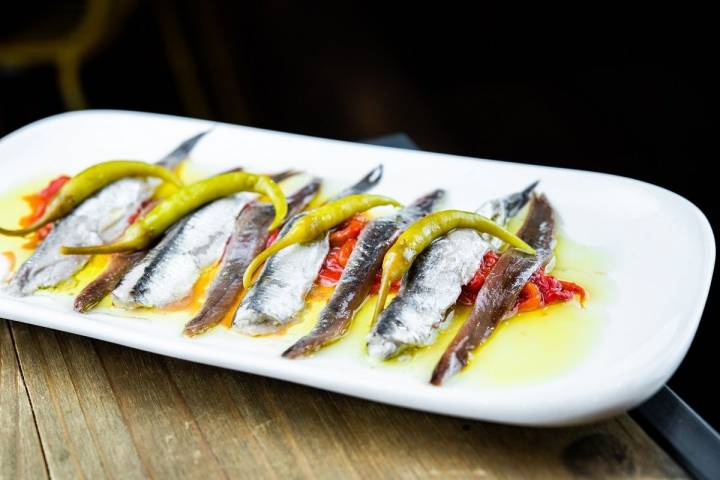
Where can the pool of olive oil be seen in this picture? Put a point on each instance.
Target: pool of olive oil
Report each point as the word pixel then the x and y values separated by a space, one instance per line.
pixel 12 208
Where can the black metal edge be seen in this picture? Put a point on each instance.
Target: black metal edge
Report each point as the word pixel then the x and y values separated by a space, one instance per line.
pixel 676 427
pixel 395 140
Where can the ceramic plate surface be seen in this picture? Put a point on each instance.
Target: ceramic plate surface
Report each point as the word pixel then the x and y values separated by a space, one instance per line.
pixel 644 321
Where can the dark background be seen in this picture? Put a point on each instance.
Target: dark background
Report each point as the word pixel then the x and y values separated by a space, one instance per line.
pixel 620 91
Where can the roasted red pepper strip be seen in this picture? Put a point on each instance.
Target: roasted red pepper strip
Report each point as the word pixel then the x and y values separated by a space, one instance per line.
pixel 331 270
pixel 38 203
pixel 470 291
pixel 350 230
pixel 272 237
pixel 540 291
pixel 345 251
pixel 530 298
pixel 554 290
pixel 576 289
pixel 335 262
pixel 342 243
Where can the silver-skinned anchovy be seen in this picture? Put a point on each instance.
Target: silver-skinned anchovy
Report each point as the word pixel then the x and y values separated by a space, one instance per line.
pixel 357 278
pixel 170 269
pixel 122 263
pixel 167 274
pixel 100 219
pixel 249 237
pixel 497 297
pixel 434 282
pixel 280 291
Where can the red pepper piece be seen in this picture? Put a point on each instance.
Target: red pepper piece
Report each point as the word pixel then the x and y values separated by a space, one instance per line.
pixel 272 237
pixel 530 298
pixel 38 203
pixel 470 291
pixel 344 253
pixel 350 229
pixel 331 270
pixel 342 243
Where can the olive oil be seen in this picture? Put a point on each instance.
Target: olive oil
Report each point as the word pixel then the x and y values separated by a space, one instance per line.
pixel 75 284
pixel 12 208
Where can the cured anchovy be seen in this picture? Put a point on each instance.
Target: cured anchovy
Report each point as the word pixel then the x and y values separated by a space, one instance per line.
pixel 100 219
pixel 359 274
pixel 169 271
pixel 249 237
pixel 434 283
pixel 122 264
pixel 279 294
pixel 498 295
pixel 95 291
pixel 171 268
pixel 372 178
pixel 110 277
pixel 119 265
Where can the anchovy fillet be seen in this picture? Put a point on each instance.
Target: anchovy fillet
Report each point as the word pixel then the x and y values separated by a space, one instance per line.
pixel 121 264
pixel 249 237
pixel 168 272
pixel 359 274
pixel 434 283
pixel 279 294
pixel 99 219
pixel 95 291
pixel 118 265
pixel 498 295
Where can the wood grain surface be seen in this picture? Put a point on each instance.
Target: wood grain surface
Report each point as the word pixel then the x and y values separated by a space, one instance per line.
pixel 72 407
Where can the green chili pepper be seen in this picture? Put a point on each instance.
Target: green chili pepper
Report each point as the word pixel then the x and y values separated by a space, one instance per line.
pixel 420 234
pixel 89 181
pixel 184 201
pixel 315 223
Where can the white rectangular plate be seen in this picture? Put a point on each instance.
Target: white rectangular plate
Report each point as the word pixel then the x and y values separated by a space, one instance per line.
pixel 645 328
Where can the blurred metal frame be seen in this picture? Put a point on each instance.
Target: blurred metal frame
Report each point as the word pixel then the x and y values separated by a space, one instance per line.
pixel 68 50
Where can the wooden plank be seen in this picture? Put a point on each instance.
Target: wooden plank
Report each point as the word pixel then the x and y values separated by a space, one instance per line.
pixel 108 411
pixel 21 454
pixel 310 433
pixel 101 410
pixel 406 443
pixel 231 436
pixel 82 430
pixel 164 431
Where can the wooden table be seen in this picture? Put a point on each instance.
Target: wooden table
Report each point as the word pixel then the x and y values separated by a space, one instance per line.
pixel 75 407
